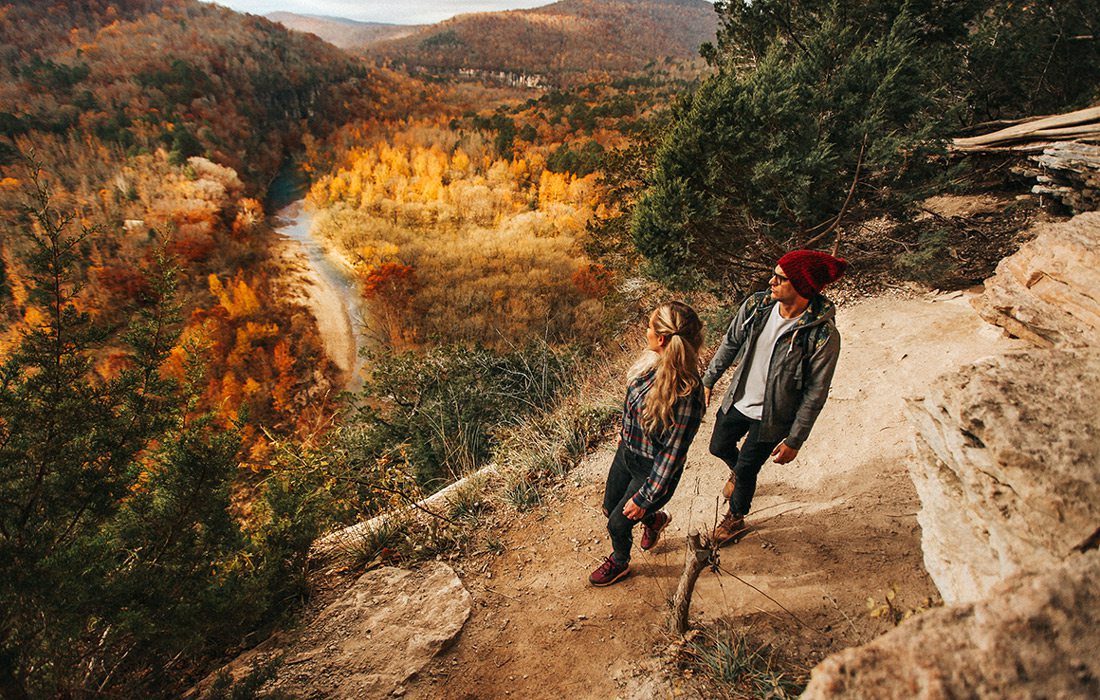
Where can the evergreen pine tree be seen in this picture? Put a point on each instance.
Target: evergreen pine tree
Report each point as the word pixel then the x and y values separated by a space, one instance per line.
pixel 825 112
pixel 118 547
pixel 764 158
pixel 69 447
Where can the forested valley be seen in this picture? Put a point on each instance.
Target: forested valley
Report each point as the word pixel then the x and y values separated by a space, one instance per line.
pixel 173 438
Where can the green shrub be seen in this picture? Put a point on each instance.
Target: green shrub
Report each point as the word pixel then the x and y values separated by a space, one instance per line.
pixel 930 261
pixel 521 492
pixel 379 544
pixel 248 687
pixel 824 112
pixel 1031 58
pixel 439 411
pixel 468 502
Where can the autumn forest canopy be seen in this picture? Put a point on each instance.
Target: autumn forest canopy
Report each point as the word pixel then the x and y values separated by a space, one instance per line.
pixel 173 435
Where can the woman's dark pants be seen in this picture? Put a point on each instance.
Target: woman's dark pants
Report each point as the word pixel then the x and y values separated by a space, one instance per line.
pixel 628 473
pixel 729 427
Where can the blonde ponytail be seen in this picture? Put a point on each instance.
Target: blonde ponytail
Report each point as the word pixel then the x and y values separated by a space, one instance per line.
pixel 677 367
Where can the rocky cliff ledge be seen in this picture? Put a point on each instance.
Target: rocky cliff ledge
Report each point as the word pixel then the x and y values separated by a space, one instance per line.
pixel 1033 637
pixel 1007 468
pixel 1008 449
pixel 1049 292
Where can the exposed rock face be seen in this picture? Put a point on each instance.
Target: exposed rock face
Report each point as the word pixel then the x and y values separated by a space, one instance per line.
pixel 1008 449
pixel 1049 291
pixel 1007 471
pixel 382 631
pixel 1070 171
pixel 1034 637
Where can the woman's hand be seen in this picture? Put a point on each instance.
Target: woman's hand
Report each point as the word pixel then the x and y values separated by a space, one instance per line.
pixel 632 511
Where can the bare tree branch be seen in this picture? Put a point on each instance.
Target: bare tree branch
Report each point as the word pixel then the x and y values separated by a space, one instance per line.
pixel 847 202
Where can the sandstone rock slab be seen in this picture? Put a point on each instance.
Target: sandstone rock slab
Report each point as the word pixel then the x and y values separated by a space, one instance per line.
pixel 377 635
pixel 1007 468
pixel 1049 291
pixel 1034 637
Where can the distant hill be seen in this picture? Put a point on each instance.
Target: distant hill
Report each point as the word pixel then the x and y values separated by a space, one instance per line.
pixel 564 39
pixel 344 33
pixel 190 76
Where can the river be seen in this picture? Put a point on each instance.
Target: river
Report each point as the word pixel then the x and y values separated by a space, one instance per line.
pixel 331 294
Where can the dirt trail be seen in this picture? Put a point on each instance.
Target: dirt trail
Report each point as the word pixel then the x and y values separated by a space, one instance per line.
pixel 829 531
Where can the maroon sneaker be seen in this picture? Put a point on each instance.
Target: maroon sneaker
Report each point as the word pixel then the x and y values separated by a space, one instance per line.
pixel 608 573
pixel 652 533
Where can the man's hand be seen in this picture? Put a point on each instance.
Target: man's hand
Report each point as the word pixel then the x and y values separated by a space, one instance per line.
pixel 632 511
pixel 706 396
pixel 784 454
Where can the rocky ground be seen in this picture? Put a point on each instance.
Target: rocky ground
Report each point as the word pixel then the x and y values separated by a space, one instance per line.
pixel 828 532
pixel 833 529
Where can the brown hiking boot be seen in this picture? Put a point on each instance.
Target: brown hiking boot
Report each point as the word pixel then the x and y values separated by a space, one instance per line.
pixel 652 533
pixel 731 529
pixel 731 484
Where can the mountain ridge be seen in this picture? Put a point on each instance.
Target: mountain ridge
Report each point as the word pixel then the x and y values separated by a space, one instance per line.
pixel 342 32
pixel 563 39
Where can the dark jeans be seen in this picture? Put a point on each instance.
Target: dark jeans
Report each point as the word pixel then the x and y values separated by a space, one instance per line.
pixel 729 428
pixel 628 472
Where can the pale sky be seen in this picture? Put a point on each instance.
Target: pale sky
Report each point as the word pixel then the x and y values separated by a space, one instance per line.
pixel 389 11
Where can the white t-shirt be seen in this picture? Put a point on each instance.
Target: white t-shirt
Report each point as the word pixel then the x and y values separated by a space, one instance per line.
pixel 750 402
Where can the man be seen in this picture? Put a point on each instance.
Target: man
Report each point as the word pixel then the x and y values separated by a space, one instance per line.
pixel 785 347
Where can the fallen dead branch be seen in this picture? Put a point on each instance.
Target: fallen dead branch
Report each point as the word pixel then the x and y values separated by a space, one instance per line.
pixel 1063 150
pixel 1035 135
pixel 699 557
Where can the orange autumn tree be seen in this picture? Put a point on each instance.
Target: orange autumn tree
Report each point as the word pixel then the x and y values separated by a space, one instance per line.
pixel 390 287
pixel 264 366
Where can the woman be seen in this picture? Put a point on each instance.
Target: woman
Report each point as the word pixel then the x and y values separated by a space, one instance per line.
pixel 663 408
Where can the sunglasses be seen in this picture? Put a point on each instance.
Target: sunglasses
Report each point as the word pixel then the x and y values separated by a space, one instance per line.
pixel 781 278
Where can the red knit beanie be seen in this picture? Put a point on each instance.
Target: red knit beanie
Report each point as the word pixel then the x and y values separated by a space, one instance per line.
pixel 810 270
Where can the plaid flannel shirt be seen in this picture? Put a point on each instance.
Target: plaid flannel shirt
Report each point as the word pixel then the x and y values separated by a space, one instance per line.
pixel 668 450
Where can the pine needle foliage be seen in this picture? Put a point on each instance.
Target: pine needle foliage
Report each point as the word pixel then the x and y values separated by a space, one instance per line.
pixel 69 448
pixel 1031 58
pixel 825 113
pixel 760 160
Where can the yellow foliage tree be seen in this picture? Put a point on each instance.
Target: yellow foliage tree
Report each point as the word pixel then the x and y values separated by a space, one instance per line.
pixel 239 300
pixel 553 188
pixel 231 396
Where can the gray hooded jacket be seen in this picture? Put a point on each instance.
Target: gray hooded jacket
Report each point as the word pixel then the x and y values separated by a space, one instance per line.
pixel 801 370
